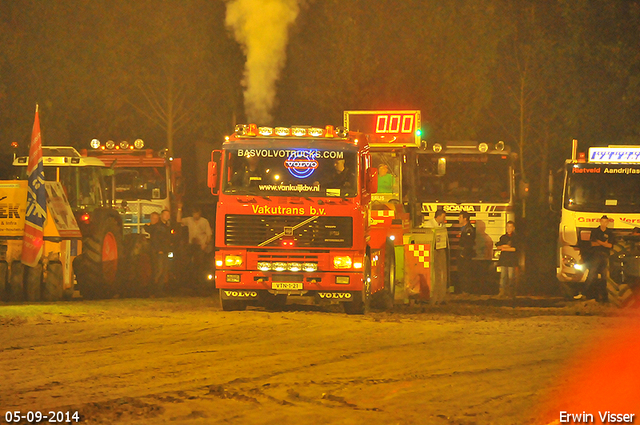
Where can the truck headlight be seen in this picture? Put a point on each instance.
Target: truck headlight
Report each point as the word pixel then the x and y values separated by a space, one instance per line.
pixel 342 262
pixel 233 260
pixel 568 261
pixel 310 267
pixel 264 266
pixel 279 266
pixel 295 267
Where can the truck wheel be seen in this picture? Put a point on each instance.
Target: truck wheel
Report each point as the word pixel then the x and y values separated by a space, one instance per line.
pixel 4 274
pixel 53 283
pixel 98 271
pixel 232 305
pixel 361 304
pixel 16 281
pixel 621 295
pixel 33 281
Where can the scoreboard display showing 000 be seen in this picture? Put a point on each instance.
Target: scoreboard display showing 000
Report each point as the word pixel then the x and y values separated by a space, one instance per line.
pixel 387 128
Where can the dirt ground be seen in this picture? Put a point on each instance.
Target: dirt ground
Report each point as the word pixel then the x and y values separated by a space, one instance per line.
pixel 475 360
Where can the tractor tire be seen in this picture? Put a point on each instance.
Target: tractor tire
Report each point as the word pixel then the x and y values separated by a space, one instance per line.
pixel 4 274
pixel 361 301
pixel 16 281
pixel 32 282
pixel 52 289
pixel 138 273
pixel 97 268
pixel 622 295
pixel 232 305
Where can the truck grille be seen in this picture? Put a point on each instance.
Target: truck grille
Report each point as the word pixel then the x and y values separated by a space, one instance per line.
pixel 322 232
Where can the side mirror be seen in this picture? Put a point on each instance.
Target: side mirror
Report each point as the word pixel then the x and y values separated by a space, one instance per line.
pixel 372 180
pixel 212 175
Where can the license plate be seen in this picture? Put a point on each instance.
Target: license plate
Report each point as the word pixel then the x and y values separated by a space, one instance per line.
pixel 288 286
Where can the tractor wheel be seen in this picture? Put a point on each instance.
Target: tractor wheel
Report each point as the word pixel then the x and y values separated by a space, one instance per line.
pixel 33 282
pixel 53 283
pixel 4 274
pixel 232 305
pixel 361 302
pixel 138 278
pixel 622 295
pixel 97 270
pixel 16 281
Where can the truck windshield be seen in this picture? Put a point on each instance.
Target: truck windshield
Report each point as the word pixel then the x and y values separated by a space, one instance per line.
pixel 463 178
pixel 302 171
pixel 140 183
pixel 602 188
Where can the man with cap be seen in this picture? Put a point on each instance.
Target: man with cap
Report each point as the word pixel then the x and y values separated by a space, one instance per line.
pixel 602 241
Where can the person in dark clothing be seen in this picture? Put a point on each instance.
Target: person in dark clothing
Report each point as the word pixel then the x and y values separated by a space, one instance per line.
pixel 467 251
pixel 509 247
pixel 342 176
pixel 160 240
pixel 602 241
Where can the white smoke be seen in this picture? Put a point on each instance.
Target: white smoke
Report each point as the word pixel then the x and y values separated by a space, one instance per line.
pixel 261 27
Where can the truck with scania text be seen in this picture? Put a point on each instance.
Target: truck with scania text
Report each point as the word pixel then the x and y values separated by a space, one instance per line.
pixel 409 261
pixel 606 182
pixel 292 217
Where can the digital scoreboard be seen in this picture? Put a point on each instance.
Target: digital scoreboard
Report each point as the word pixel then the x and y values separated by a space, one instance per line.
pixel 386 128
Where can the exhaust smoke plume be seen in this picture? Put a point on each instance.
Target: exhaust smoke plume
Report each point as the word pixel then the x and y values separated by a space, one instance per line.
pixel 261 27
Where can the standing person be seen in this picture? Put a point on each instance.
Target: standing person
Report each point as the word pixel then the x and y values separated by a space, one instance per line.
pixel 509 247
pixel 467 250
pixel 159 231
pixel 199 238
pixel 438 220
pixel 602 241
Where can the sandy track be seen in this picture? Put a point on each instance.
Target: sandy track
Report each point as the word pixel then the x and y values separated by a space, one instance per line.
pixel 182 360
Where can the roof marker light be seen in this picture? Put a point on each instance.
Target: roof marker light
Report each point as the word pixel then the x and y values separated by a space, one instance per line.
pixel 124 145
pixel 265 131
pixel 110 144
pixel 283 131
pixel 299 131
pixel 95 144
pixel 139 143
pixel 483 147
pixel 252 130
pixel 316 132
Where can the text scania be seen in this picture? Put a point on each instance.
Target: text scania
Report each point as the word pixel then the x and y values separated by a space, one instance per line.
pixel 290 153
pixel 280 210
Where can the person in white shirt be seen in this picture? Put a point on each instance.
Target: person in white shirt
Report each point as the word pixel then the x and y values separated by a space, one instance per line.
pixel 438 220
pixel 199 238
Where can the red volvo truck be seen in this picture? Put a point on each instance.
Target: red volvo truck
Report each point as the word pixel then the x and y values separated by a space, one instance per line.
pixel 292 217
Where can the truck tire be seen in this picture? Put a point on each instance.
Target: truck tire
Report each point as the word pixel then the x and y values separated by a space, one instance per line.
pixel 16 281
pixel 4 274
pixel 32 282
pixel 362 300
pixel 97 270
pixel 231 305
pixel 52 289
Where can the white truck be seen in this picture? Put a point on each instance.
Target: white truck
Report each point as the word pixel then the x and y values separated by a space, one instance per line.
pixel 604 182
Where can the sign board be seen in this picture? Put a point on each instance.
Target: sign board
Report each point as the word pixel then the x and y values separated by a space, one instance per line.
pixel 386 128
pixel 621 155
pixel 60 211
pixel 13 207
